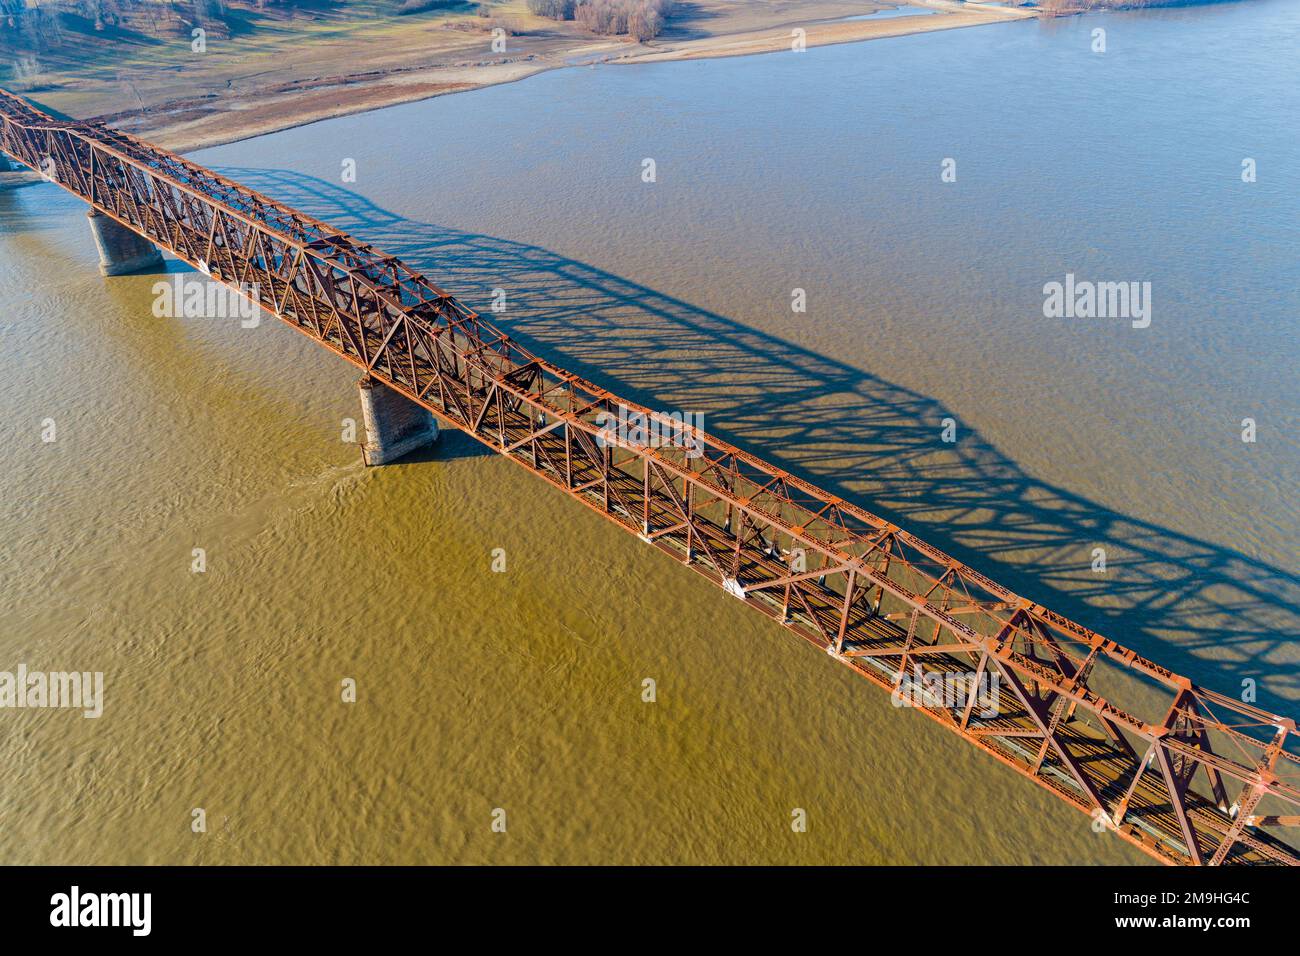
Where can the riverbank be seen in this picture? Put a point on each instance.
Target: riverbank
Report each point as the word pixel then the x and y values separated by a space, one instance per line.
pixel 946 16
pixel 228 95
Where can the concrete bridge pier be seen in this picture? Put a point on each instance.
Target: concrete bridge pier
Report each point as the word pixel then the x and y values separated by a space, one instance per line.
pixel 395 425
pixel 121 250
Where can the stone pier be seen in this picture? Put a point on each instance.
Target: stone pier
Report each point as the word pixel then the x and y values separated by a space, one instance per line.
pixel 121 250
pixel 395 425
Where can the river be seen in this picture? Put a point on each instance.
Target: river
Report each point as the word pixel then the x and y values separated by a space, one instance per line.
pixel 820 171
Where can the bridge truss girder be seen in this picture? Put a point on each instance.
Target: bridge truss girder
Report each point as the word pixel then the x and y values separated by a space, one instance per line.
pixel 896 610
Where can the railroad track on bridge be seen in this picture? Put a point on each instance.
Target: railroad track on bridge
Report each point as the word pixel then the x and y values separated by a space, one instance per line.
pixel 1189 775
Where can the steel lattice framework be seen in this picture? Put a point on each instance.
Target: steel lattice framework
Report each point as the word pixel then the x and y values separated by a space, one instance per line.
pixel 1203 779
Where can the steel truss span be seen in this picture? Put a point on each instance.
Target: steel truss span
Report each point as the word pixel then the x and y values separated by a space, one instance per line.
pixel 1186 774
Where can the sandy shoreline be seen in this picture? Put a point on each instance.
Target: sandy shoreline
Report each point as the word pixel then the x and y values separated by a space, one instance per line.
pixel 949 16
pixel 244 117
pixel 189 124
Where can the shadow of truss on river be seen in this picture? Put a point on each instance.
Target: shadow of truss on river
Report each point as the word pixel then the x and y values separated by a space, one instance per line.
pixel 1204 610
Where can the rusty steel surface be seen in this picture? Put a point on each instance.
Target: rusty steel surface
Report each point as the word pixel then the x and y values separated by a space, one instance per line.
pixel 1189 775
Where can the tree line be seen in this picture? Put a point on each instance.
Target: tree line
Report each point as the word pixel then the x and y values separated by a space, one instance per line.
pixel 640 19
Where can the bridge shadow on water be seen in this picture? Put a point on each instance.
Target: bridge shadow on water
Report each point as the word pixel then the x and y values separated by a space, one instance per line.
pixel 1204 610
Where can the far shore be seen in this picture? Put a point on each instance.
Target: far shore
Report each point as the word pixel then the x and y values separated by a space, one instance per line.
pixel 203 119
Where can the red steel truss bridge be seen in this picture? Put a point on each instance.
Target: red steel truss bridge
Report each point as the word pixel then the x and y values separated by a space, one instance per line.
pixel 1189 775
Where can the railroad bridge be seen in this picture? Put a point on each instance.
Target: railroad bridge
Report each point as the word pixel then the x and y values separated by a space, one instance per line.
pixel 1196 778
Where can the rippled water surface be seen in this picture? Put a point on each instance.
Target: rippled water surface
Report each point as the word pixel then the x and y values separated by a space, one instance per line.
pixel 522 690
